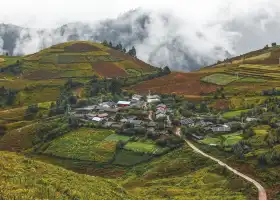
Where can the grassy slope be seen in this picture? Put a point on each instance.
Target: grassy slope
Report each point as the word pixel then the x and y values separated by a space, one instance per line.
pixel 44 71
pixel 260 70
pixel 84 144
pixel 183 174
pixel 23 178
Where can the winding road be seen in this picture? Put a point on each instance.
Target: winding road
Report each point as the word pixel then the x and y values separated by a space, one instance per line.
pixel 261 190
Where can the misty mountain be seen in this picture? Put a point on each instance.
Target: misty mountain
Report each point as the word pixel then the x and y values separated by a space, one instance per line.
pixel 160 38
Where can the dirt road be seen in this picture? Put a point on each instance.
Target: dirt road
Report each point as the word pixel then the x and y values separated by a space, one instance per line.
pixel 261 190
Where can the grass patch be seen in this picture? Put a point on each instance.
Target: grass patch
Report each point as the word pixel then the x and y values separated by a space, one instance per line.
pixel 129 158
pixel 26 179
pixel 211 140
pixel 219 79
pixel 231 139
pixel 19 124
pixel 236 113
pixel 84 144
pixel 251 80
pixel 143 147
pixel 261 130
pixel 116 138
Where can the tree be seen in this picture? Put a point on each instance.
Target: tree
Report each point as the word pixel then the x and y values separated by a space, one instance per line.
pixel 166 70
pixel 115 87
pixel 124 50
pixel 132 51
pixel 119 47
pixel 273 44
pixel 105 43
pixel 3 129
pixel 52 109
pixel 110 44
pixel 72 100
pixel 118 117
pixel 31 111
pixel 73 122
pixel 7 54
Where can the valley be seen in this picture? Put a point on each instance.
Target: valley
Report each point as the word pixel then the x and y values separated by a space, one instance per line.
pixel 82 110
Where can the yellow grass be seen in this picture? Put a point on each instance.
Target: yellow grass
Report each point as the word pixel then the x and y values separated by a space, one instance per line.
pixel 2 60
pixel 260 57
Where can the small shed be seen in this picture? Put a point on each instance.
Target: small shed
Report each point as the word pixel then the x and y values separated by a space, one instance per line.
pixel 123 103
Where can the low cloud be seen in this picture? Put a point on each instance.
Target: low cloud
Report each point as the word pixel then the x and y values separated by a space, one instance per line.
pixel 180 40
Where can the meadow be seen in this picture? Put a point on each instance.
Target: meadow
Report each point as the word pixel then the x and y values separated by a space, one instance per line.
pixel 219 79
pixel 83 144
pixel 236 113
pixel 144 147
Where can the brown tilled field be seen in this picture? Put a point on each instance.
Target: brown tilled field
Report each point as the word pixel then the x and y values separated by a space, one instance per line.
pixel 178 83
pixel 107 69
pixel 80 47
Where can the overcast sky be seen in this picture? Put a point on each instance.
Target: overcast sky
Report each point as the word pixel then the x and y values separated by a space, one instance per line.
pixel 51 13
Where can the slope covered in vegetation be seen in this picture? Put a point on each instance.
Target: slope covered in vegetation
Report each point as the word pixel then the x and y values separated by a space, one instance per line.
pixel 23 178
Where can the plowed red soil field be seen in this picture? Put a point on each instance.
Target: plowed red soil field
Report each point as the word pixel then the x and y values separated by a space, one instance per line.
pixel 178 83
pixel 107 69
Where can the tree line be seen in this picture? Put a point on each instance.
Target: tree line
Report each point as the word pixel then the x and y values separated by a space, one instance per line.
pixel 120 47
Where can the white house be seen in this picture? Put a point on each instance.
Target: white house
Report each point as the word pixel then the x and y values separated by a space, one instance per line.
pixel 153 98
pixel 97 119
pixel 136 97
pixel 123 103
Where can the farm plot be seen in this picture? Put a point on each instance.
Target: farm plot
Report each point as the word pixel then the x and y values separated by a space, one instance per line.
pixel 235 113
pixel 129 158
pixel 144 147
pixel 178 83
pixel 231 139
pixel 70 58
pixel 210 140
pixel 80 47
pixel 51 58
pixel 116 138
pixel 251 80
pixel 107 69
pixel 84 144
pixel 219 79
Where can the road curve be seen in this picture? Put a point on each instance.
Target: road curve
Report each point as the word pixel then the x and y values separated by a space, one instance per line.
pixel 261 190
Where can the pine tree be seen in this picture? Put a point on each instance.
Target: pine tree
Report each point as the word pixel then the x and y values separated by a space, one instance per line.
pixel 132 51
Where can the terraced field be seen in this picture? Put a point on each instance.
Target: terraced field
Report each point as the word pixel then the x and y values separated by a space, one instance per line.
pixel 52 67
pixel 84 144
pixel 178 83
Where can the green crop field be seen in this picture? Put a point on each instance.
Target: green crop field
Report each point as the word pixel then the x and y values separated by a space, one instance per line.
pixel 116 138
pixel 236 113
pixel 251 80
pixel 231 139
pixel 26 179
pixel 219 79
pixel 262 130
pixel 129 158
pixel 84 144
pixel 210 140
pixel 144 147
pixel 259 57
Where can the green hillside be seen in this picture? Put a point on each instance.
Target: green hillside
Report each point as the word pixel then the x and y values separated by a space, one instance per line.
pixel 37 77
pixel 23 178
